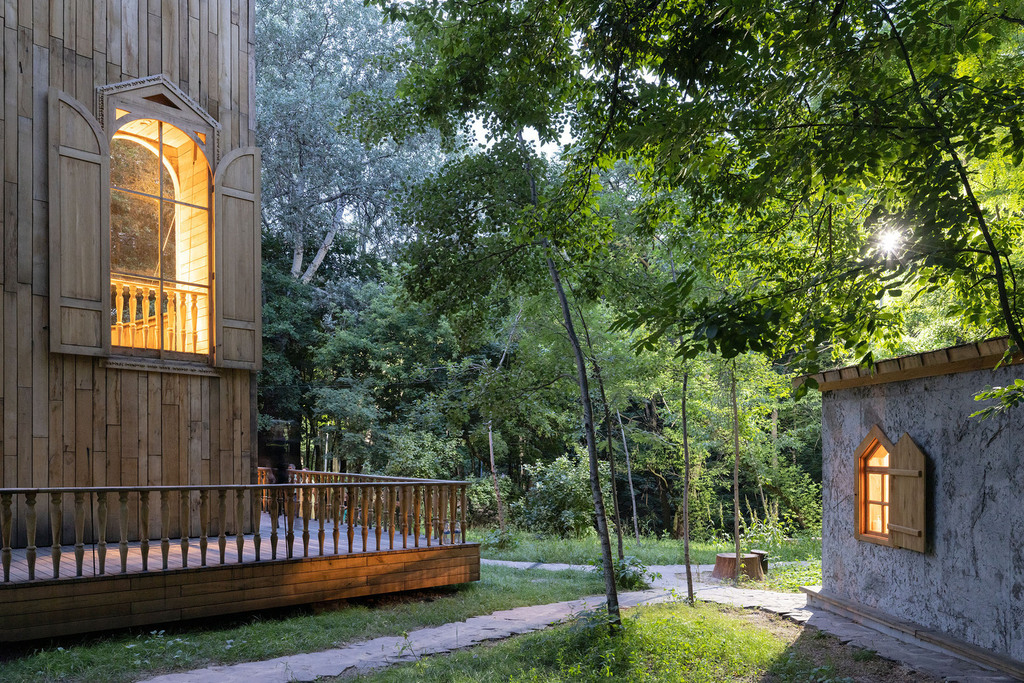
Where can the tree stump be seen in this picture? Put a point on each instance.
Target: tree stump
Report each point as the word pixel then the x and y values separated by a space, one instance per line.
pixel 725 566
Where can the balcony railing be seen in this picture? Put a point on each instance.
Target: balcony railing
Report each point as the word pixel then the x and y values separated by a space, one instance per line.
pixel 176 525
pixel 153 314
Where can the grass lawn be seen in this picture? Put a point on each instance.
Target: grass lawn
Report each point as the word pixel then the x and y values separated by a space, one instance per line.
pixel 534 548
pixel 789 578
pixel 129 656
pixel 674 642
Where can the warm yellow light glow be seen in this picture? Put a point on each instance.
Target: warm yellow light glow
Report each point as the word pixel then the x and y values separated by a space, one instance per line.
pixel 159 237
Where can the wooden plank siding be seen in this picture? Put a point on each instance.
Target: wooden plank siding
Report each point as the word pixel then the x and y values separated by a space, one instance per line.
pixel 86 421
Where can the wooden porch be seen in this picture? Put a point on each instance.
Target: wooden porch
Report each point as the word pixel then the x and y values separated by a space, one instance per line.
pixel 117 557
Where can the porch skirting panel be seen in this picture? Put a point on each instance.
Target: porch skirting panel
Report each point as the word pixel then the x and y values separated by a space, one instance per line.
pixel 57 607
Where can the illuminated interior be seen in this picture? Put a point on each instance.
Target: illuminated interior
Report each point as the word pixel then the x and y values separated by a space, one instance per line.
pixel 159 238
pixel 876 491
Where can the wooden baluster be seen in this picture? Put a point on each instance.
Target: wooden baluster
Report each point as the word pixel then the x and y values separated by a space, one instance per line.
pixel 403 494
pixel 171 329
pixel 149 340
pixel 56 527
pixel 239 526
pixel 336 496
pixel 350 512
pixel 274 513
pixel 289 507
pixel 378 503
pixel 119 313
pixel 428 511
pixel 204 525
pixel 185 504
pixel 305 510
pixel 79 531
pixel 143 526
pixel 462 527
pixel 366 490
pixel 445 537
pixel 453 498
pixel 6 523
pixel 165 525
pixel 101 519
pixel 321 493
pixel 257 519
pixel 222 520
pixel 195 323
pixel 183 307
pixel 133 329
pixel 416 516
pixel 30 534
pixel 392 498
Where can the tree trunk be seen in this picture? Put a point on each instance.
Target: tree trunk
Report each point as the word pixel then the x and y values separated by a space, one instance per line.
pixel 629 476
pixel 494 478
pixel 615 618
pixel 735 474
pixel 611 455
pixel 686 499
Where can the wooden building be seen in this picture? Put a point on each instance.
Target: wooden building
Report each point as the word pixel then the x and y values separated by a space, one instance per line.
pixel 922 520
pixel 130 335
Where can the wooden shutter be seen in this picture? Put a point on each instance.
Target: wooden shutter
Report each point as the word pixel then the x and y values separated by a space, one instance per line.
pixel 79 179
pixel 907 495
pixel 239 311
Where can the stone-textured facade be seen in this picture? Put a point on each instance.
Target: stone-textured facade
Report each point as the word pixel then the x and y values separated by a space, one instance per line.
pixel 970 581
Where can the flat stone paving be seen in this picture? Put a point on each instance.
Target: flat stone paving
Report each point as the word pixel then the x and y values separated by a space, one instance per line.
pixel 382 652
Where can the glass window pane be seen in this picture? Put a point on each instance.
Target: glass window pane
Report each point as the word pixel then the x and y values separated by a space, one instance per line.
pixel 879 457
pixel 133 165
pixel 168 245
pixel 192 240
pixel 875 492
pixel 192 173
pixel 885 488
pixel 885 520
pixel 875 519
pixel 134 234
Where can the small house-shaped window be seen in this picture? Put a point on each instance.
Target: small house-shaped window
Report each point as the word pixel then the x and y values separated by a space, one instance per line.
pixel 160 185
pixel 890 492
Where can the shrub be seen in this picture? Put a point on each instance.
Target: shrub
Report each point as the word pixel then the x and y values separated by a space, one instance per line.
pixel 559 502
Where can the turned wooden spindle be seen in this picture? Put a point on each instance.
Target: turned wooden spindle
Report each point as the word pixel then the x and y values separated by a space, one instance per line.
pixel 143 527
pixel 305 511
pixel 274 514
pixel 5 534
pixel 366 491
pixel 239 526
pixel 79 531
pixel 350 514
pixel 170 330
pixel 222 517
pixel 101 520
pixel 416 516
pixel 30 532
pixel 182 322
pixel 119 313
pixel 122 546
pixel 462 528
pixel 289 522
pixel 204 525
pixel 256 511
pixel 391 516
pixel 378 494
pixel 56 527
pixel 165 526
pixel 195 323
pixel 322 513
pixel 336 495
pixel 185 505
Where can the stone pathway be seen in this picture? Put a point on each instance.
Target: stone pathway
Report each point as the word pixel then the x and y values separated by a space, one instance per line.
pixel 382 652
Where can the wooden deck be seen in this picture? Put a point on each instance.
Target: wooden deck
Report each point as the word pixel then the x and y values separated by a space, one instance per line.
pixel 406 535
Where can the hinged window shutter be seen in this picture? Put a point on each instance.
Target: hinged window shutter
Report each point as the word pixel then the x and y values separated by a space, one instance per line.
pixel 79 179
pixel 237 278
pixel 907 495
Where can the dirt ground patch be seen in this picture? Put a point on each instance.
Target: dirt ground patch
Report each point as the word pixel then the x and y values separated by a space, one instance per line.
pixel 827 655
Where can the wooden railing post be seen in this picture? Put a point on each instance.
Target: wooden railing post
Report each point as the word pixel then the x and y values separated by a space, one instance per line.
pixel 350 513
pixel 428 510
pixel 122 545
pixel 320 492
pixel 257 519
pixel 30 530
pixel 337 493
pixel 6 523
pixel 56 528
pixel 305 511
pixel 416 516
pixel 378 503
pixel 462 529
pixel 289 508
pixel 392 500
pixel 274 510
pixel 366 491
pixel 204 525
pixel 101 520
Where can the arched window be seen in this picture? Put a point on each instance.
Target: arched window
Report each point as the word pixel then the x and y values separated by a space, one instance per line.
pixel 875 474
pixel 890 491
pixel 160 192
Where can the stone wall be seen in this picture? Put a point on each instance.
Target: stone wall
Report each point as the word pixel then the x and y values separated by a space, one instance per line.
pixel 970 582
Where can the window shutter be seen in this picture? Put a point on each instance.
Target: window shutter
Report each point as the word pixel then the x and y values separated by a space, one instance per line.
pixel 79 179
pixel 907 495
pixel 238 307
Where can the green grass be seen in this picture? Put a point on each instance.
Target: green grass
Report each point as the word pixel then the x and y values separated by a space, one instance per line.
pixel 130 656
pixel 533 548
pixel 671 642
pixel 788 579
